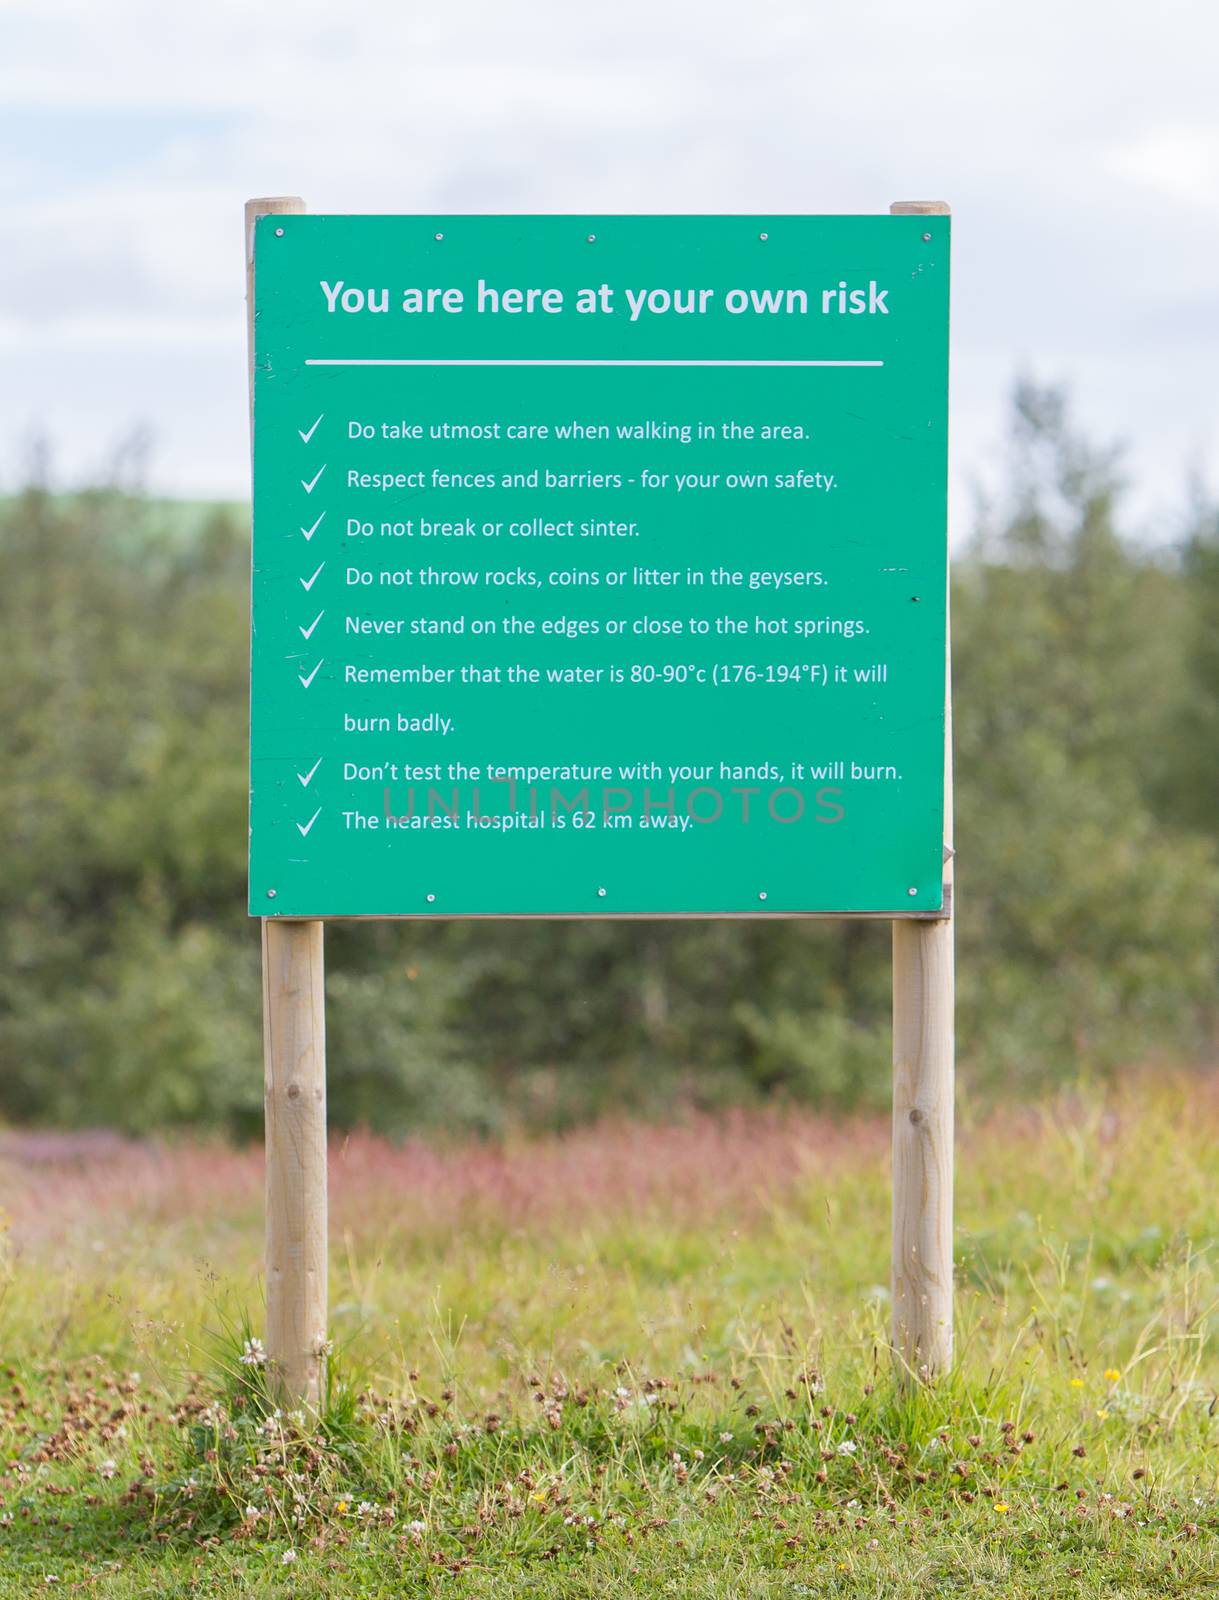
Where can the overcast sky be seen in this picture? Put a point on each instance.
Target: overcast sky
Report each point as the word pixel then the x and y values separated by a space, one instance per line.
pixel 1077 141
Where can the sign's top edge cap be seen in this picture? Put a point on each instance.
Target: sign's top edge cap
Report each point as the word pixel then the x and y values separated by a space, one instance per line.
pixel 752 219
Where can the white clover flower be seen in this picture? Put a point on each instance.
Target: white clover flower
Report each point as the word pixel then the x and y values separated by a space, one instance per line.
pixel 108 1468
pixel 416 1527
pixel 288 1557
pixel 848 1447
pixel 253 1354
pixel 366 1509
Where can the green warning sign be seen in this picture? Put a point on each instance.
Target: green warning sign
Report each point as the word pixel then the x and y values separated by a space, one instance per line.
pixel 599 565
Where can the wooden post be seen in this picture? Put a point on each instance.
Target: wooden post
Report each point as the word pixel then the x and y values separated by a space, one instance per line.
pixel 923 1072
pixel 294 1079
pixel 294 1074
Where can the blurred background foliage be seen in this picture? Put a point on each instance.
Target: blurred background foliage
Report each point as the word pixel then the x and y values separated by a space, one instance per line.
pixel 1087 748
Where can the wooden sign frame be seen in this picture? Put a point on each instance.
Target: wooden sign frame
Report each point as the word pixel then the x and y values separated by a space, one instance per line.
pixel 294 1038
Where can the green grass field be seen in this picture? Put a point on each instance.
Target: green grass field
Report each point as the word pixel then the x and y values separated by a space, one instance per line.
pixel 630 1361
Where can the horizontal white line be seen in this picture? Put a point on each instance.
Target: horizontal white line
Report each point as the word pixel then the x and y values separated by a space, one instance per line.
pixel 396 361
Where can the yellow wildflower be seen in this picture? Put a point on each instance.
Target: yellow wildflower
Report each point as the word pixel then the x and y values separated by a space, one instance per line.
pixel 1001 1506
pixel 1077 1383
pixel 1112 1375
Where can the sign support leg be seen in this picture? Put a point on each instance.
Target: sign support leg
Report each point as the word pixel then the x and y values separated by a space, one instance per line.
pixel 294 1040
pixel 294 1081
pixel 922 1146
pixel 923 1093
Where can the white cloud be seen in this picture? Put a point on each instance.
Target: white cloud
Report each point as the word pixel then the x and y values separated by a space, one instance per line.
pixel 1078 154
pixel 1180 163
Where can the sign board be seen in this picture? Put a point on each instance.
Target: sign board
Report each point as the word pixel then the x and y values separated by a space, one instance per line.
pixel 599 565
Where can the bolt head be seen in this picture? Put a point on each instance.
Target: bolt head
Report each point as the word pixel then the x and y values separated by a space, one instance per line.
pixel 279 233
pixel 270 894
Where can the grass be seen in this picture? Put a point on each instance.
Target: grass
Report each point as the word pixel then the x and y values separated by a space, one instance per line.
pixel 631 1361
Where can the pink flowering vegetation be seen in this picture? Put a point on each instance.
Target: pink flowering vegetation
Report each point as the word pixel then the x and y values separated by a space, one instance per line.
pixel 702 1167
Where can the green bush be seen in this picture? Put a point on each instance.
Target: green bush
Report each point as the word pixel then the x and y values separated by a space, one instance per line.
pixel 1087 699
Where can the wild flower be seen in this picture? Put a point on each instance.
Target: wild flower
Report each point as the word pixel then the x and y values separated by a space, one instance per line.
pixel 288 1557
pixel 1002 1507
pixel 108 1468
pixel 1112 1375
pixel 253 1354
pixel 848 1447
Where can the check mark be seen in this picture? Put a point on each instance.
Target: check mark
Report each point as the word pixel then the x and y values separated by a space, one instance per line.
pixel 308 778
pixel 307 583
pixel 305 682
pixel 305 437
pixel 303 827
pixel 308 632
pixel 309 532
pixel 311 485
